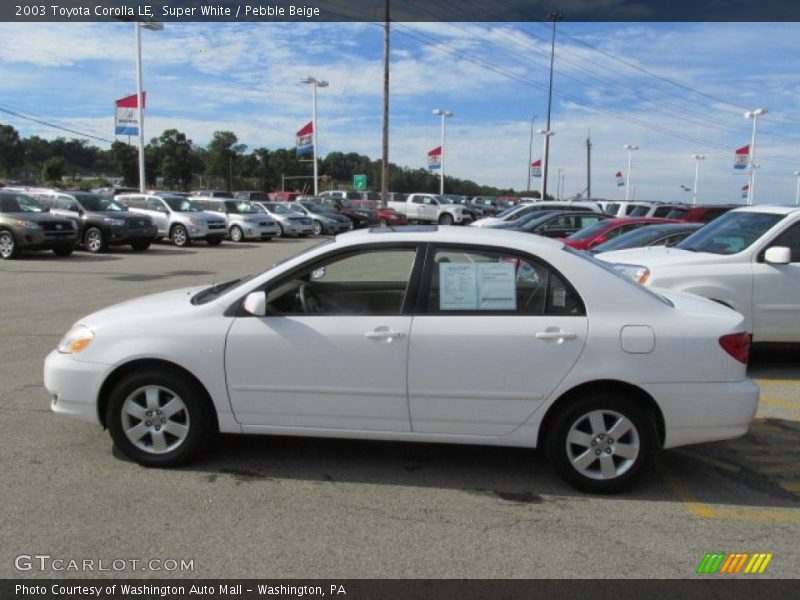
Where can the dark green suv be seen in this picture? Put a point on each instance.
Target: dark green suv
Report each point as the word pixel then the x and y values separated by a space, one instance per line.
pixel 26 225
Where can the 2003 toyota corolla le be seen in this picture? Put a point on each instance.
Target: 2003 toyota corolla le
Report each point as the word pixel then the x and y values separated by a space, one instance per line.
pixel 373 336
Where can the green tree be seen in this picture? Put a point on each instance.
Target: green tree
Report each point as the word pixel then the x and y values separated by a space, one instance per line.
pixel 176 160
pixel 221 155
pixel 12 152
pixel 124 160
pixel 53 169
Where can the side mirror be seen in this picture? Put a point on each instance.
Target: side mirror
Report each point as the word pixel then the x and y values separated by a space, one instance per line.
pixel 778 255
pixel 256 303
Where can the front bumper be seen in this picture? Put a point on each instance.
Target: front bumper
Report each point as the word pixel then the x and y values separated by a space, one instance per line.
pixel 74 385
pixel 126 235
pixel 38 239
pixel 253 231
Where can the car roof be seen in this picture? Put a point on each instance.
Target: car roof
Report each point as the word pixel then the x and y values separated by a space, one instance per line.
pixel 769 208
pixel 447 234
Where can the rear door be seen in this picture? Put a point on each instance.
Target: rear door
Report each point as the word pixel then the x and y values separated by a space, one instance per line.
pixel 519 315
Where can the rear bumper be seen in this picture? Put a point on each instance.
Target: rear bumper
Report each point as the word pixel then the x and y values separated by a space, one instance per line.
pixel 705 412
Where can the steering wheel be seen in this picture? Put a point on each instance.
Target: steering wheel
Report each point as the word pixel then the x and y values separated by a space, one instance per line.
pixel 309 301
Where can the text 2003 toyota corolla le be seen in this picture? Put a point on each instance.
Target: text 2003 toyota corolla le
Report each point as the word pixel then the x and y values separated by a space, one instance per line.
pixel 375 335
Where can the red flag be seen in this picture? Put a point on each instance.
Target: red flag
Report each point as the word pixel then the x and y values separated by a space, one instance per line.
pixel 435 158
pixel 130 101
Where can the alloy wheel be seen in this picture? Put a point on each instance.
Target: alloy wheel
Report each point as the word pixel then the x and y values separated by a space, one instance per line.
pixel 602 444
pixel 155 419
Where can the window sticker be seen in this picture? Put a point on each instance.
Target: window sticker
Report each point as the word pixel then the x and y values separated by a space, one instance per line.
pixel 559 297
pixel 457 290
pixel 496 286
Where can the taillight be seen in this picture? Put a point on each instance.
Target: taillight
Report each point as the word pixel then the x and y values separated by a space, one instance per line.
pixel 737 345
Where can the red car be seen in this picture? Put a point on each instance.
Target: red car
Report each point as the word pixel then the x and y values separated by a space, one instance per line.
pixel 700 213
pixel 602 231
pixel 389 217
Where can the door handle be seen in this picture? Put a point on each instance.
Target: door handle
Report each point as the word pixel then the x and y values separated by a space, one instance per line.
pixel 556 335
pixel 384 334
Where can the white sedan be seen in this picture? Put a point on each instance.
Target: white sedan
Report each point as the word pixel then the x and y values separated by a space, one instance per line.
pixel 374 335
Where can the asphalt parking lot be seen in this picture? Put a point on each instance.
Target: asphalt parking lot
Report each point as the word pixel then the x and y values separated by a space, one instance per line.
pixel 291 507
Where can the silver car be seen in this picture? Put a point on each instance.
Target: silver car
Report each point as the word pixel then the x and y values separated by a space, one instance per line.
pixel 323 220
pixel 243 220
pixel 289 222
pixel 177 218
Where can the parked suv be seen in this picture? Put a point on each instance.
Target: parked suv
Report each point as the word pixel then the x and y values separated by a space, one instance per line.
pixel 245 221
pixel 177 218
pixel 102 221
pixel 26 225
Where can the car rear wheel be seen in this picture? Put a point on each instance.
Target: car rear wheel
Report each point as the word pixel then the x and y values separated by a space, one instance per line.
pixel 446 219
pixel 236 233
pixel 600 442
pixel 140 245
pixel 8 245
pixel 62 250
pixel 317 228
pixel 95 240
pixel 179 236
pixel 159 418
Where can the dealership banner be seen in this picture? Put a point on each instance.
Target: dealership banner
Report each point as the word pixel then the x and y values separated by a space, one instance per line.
pixel 126 116
pixel 435 158
pixel 536 168
pixel 745 190
pixel 619 178
pixel 305 139
pixel 741 156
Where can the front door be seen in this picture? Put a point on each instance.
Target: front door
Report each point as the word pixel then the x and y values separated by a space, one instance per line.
pixel 331 351
pixel 776 294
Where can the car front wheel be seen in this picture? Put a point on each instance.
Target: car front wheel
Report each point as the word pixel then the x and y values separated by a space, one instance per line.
pixel 8 245
pixel 236 233
pixel 317 227
pixel 446 219
pixel 95 240
pixel 159 418
pixel 600 442
pixel 179 236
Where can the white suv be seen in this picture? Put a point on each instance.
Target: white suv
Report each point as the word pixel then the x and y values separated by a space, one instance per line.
pixel 747 259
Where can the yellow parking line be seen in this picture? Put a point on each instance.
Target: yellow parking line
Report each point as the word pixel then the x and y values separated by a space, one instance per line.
pixel 777 381
pixel 788 404
pixel 679 488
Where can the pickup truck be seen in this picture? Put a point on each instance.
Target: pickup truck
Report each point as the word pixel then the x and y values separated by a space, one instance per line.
pixel 431 208
pixel 748 259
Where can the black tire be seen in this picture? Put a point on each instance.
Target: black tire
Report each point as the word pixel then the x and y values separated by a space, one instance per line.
pixel 94 240
pixel 8 245
pixel 214 241
pixel 63 250
pixel 195 416
pixel 316 227
pixel 446 219
pixel 179 236
pixel 236 234
pixel 140 245
pixel 573 417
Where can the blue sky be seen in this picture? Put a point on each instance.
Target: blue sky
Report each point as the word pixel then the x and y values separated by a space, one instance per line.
pixel 672 89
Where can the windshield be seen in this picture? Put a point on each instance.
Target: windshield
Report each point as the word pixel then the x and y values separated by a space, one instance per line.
pixel 731 233
pixel 242 207
pixel 95 202
pixel 632 239
pixel 19 203
pixel 277 209
pixel 316 208
pixel 179 204
pixel 507 211
pixel 535 222
pixel 587 233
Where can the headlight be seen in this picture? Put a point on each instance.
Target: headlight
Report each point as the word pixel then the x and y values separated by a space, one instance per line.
pixel 28 225
pixel 197 222
pixel 75 340
pixel 638 273
pixel 114 222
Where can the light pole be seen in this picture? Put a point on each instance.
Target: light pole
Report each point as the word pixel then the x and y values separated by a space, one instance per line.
pixel 546 133
pixel 558 189
pixel 751 190
pixel 797 190
pixel 553 16
pixel 697 158
pixel 530 153
pixel 444 114
pixel 630 148
pixel 315 83
pixel 139 99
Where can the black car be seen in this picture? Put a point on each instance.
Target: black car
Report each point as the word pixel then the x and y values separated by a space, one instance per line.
pixel 101 221
pixel 474 212
pixel 26 225
pixel 663 234
pixel 559 224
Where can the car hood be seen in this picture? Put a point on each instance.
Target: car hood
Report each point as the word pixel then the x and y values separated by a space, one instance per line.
pixel 655 256
pixel 129 312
